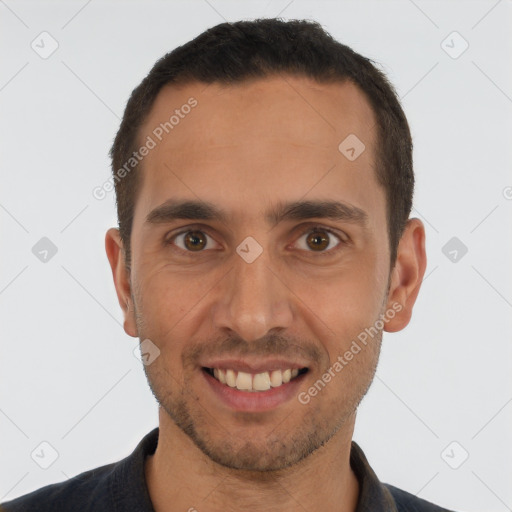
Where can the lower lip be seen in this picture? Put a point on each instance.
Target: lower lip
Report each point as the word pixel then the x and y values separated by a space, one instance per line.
pixel 255 401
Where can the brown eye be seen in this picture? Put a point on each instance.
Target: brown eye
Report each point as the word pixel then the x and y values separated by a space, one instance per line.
pixel 192 241
pixel 319 240
pixel 195 240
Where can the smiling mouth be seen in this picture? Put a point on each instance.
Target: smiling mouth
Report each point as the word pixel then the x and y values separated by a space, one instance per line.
pixel 251 382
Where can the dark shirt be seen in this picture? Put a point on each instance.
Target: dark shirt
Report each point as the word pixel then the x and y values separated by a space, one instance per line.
pixel 121 486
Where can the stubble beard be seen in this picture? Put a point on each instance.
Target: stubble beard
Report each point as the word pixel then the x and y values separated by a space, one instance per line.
pixel 282 447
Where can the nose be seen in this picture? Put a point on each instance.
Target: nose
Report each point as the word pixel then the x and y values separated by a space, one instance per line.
pixel 253 300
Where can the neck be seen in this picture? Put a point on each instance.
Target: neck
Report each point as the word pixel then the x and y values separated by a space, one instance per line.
pixel 180 477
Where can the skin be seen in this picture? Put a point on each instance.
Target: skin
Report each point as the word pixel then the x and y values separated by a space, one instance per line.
pixel 245 148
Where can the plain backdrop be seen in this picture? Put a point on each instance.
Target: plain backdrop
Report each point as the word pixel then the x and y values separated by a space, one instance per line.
pixel 442 396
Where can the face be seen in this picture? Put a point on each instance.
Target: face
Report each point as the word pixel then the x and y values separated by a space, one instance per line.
pixel 260 255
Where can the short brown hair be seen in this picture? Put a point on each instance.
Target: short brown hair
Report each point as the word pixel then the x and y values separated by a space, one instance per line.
pixel 233 52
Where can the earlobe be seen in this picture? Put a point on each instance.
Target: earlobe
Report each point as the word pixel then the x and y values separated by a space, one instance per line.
pixel 407 275
pixel 121 275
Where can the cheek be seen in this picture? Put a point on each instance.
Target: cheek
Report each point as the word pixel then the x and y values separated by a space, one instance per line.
pixel 169 295
pixel 345 302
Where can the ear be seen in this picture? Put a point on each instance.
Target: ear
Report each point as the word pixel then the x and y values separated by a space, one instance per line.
pixel 121 274
pixel 407 275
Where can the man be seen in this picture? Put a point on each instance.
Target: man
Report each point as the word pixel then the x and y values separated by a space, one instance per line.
pixel 264 182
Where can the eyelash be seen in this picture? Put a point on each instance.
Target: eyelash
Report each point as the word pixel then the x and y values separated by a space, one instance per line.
pixel 309 229
pixel 330 252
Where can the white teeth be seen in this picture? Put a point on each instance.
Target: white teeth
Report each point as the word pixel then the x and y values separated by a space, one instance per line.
pixel 261 382
pixel 276 378
pixel 244 381
pixel 221 376
pixel 255 382
pixel 230 378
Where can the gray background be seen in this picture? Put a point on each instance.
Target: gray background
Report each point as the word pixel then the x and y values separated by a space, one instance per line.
pixel 68 373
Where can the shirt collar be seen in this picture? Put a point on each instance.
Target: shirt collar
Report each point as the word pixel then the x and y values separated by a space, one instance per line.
pixel 373 495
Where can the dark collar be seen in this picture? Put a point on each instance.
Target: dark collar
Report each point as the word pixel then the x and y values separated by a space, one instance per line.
pixel 373 495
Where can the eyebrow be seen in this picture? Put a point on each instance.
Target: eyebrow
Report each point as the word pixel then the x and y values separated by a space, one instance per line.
pixel 174 209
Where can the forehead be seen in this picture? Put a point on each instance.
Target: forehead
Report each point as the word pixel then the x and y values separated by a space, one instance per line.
pixel 264 106
pixel 277 135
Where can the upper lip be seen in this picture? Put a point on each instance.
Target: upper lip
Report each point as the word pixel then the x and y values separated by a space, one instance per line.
pixel 252 366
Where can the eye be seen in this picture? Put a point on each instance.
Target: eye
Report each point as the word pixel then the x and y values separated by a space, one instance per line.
pixel 192 241
pixel 319 239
